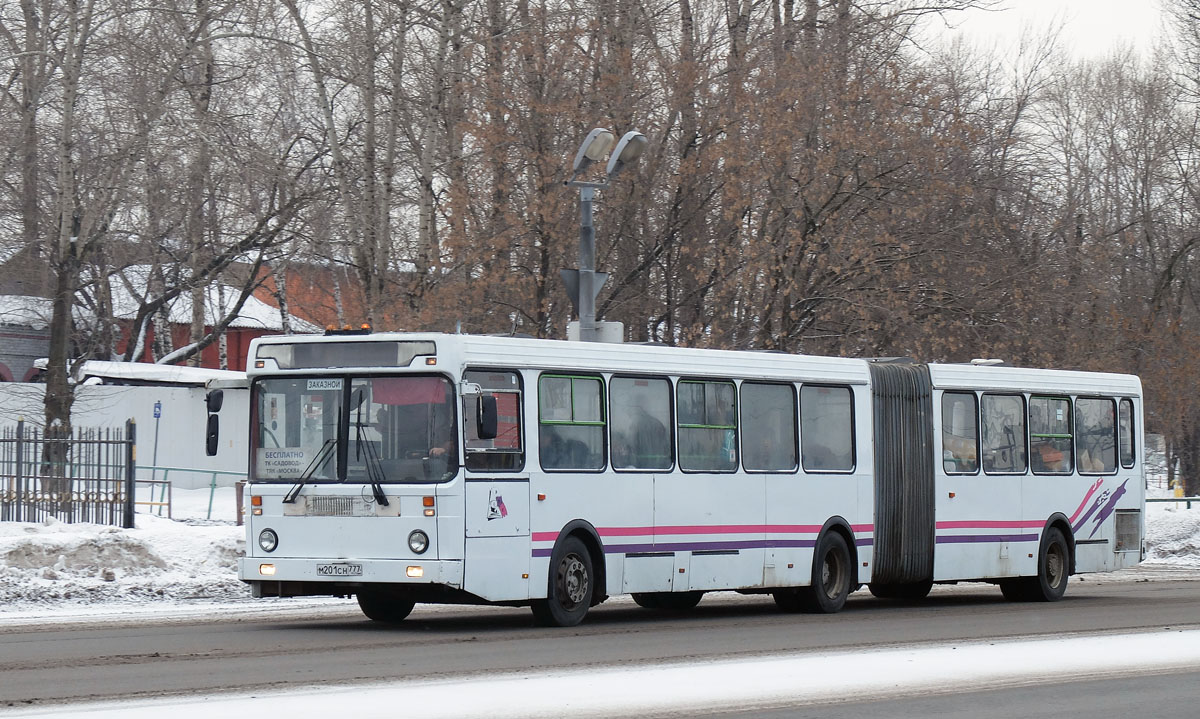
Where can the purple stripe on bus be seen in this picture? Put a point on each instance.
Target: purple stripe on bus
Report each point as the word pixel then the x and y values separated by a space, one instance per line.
pixel 969 538
pixel 682 546
pixel 804 543
pixel 786 543
pixel 702 546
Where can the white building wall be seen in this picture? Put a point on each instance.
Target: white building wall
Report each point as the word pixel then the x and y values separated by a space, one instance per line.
pixel 175 439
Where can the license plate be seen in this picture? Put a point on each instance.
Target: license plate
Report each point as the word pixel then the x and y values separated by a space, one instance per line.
pixel 339 570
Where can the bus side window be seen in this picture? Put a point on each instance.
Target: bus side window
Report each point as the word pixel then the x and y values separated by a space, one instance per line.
pixel 960 433
pixel 1003 434
pixel 768 427
pixel 1128 451
pixel 826 428
pixel 707 425
pixel 1050 435
pixel 505 453
pixel 1096 435
pixel 640 421
pixel 571 422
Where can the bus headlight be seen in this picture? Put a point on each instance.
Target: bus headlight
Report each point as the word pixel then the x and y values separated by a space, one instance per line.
pixel 418 541
pixel 268 540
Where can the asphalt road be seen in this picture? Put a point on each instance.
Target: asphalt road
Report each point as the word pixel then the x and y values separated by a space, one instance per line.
pixel 89 661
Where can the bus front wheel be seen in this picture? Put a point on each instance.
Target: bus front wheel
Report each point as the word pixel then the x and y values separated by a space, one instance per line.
pixel 571 586
pixel 383 608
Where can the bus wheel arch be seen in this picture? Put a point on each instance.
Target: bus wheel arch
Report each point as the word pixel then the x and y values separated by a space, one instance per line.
pixel 842 527
pixel 1059 521
pixel 575 577
pixel 1055 564
pixel 834 573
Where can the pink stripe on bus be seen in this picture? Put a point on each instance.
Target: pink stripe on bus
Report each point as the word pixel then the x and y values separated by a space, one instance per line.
pixel 667 530
pixel 989 524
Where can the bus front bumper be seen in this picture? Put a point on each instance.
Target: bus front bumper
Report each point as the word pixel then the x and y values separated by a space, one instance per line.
pixel 350 572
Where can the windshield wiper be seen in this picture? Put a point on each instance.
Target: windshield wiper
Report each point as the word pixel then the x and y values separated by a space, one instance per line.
pixel 322 457
pixel 374 464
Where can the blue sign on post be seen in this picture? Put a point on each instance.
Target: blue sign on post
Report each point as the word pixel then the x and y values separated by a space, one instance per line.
pixel 157 409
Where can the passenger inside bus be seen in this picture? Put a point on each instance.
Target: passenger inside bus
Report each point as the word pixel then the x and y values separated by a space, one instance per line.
pixel 560 451
pixel 415 423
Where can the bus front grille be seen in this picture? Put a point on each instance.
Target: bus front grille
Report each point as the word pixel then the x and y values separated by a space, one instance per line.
pixel 334 506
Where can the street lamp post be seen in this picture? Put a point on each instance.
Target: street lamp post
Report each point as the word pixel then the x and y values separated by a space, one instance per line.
pixel 584 283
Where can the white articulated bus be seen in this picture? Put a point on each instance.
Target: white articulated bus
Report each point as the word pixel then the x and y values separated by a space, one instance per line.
pixel 406 468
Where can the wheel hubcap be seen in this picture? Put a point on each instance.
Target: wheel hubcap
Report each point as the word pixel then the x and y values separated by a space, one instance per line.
pixel 573 580
pixel 1054 566
pixel 831 576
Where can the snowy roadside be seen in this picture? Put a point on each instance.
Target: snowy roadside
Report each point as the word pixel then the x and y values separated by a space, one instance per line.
pixel 188 565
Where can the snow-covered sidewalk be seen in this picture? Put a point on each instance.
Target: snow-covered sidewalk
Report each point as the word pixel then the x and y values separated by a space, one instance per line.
pixel 189 564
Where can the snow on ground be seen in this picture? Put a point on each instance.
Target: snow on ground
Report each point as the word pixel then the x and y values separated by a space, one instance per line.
pixel 189 563
pixel 57 565
pixel 1172 531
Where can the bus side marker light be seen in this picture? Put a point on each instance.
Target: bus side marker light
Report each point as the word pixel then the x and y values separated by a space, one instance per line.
pixel 681 570
pixel 415 572
pixel 431 361
pixel 791 566
pixel 1031 556
pixel 952 495
pixel 267 570
pixel 524 576
pixel 541 497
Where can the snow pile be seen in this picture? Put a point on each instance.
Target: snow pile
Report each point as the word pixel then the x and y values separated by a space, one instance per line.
pixel 1172 533
pixel 56 563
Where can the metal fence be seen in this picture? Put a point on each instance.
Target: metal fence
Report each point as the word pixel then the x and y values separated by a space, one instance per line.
pixel 86 477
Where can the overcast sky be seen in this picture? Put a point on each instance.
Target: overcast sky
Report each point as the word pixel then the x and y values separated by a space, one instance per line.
pixel 1090 28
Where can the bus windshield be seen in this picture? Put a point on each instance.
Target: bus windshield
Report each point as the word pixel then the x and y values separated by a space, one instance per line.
pixel 355 429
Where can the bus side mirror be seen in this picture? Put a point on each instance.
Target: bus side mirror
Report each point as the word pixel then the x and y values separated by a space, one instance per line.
pixel 486 422
pixel 212 434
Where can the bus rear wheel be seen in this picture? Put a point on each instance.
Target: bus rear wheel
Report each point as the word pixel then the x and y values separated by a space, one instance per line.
pixel 571 586
pixel 1054 567
pixel 380 607
pixel 832 576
